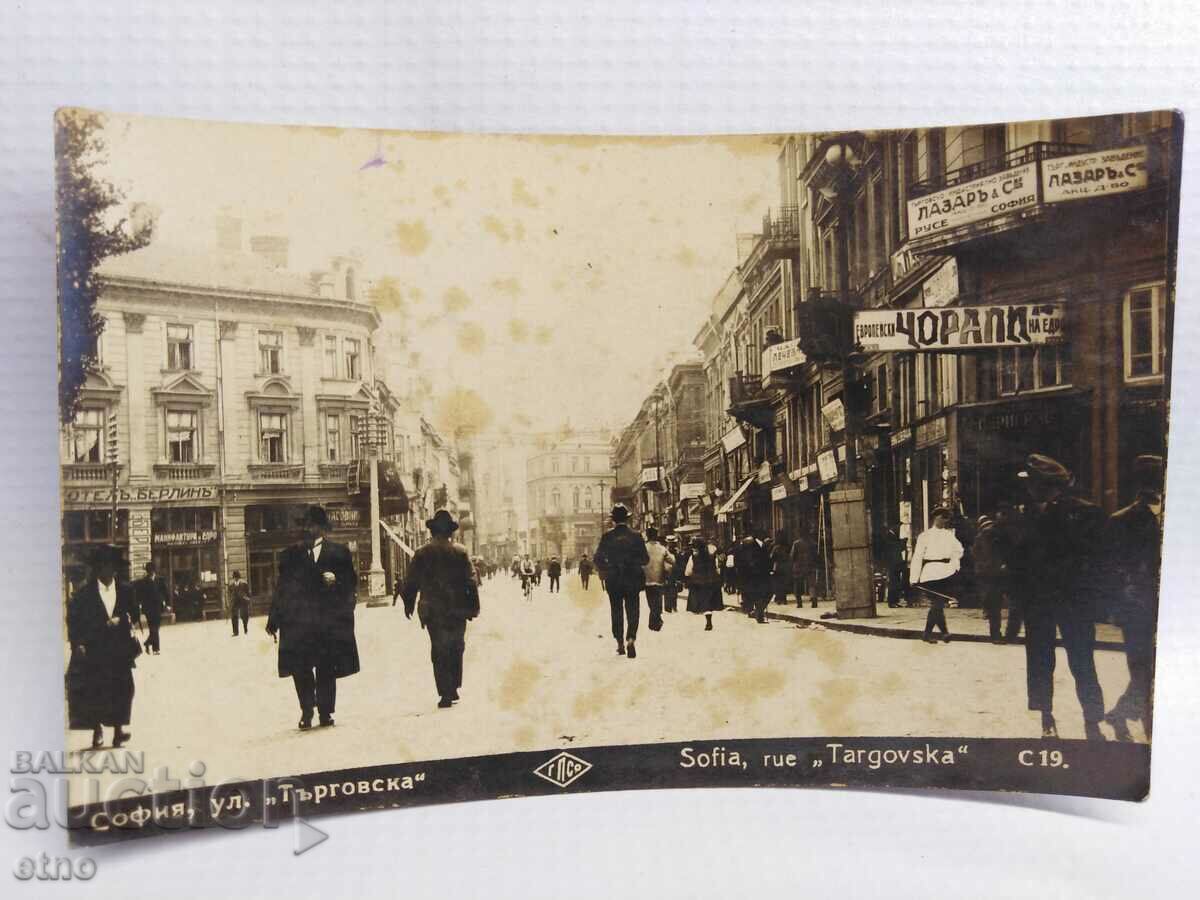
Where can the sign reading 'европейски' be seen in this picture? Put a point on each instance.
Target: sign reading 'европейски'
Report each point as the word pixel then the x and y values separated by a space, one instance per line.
pixel 960 328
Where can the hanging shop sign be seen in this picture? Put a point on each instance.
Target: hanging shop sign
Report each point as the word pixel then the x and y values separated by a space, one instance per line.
pixel 941 288
pixel 764 473
pixel 779 492
pixel 827 466
pixel 733 439
pixel 691 490
pixel 649 475
pixel 1101 173
pixel 973 201
pixel 835 414
pixel 961 328
pixel 784 355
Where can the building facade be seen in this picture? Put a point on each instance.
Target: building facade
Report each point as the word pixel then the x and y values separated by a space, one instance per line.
pixel 228 417
pixel 925 309
pixel 569 486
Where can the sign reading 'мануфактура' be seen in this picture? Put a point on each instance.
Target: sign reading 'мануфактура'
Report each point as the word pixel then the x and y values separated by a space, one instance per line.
pixel 960 328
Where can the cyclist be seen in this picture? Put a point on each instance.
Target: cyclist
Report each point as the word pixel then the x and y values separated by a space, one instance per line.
pixel 528 574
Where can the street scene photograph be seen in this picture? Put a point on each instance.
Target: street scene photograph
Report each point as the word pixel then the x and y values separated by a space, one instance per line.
pixel 388 447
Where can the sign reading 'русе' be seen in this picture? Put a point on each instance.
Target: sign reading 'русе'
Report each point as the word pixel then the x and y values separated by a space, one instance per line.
pixel 960 328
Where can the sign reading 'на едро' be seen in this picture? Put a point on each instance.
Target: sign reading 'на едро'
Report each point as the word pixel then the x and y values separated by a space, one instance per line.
pixel 960 328
pixel 973 201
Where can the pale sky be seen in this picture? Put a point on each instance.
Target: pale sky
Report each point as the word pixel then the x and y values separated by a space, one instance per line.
pixel 555 276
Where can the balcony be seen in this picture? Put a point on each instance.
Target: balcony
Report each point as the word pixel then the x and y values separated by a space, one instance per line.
pixel 276 471
pixel 87 473
pixel 998 195
pixel 748 401
pixel 334 471
pixel 184 471
pixel 780 237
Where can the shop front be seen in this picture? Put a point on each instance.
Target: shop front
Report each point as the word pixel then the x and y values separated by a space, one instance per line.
pixel 184 544
pixel 82 530
pixel 995 439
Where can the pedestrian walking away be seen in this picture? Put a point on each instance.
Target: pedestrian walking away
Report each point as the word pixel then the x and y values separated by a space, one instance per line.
pixel 554 573
pixel 935 569
pixel 703 581
pixel 656 573
pixel 1133 547
pixel 803 557
pixel 1054 565
pixel 152 597
pixel 674 576
pixel 239 603
pixel 990 553
pixel 620 559
pixel 440 575
pixel 99 678
pixel 781 567
pixel 752 563
pixel 585 570
pixel 312 611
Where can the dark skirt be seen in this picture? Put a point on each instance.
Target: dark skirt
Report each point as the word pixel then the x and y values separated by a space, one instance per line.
pixel 98 694
pixel 704 598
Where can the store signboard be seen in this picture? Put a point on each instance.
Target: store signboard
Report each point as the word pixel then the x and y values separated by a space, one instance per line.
pixel 941 288
pixel 1102 173
pixel 779 492
pixel 184 538
pixel 835 414
pixel 784 355
pixel 733 439
pixel 961 328
pixel 827 466
pixel 170 494
pixel 691 490
pixel 973 201
pixel 931 432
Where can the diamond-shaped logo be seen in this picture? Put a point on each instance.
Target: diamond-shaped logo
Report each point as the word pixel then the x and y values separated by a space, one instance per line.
pixel 562 769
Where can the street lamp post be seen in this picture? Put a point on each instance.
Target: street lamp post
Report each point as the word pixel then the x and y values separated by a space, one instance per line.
pixel 373 436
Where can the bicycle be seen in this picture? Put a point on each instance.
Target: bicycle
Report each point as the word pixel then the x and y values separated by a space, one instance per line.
pixel 527 586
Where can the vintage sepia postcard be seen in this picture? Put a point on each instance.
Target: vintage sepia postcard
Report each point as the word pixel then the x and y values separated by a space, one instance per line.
pixel 413 468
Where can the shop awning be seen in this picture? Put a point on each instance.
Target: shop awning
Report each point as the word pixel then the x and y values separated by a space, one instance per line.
pixel 737 495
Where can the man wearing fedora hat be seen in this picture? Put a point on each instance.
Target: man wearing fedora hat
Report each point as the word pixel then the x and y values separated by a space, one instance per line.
pixel 442 574
pixel 313 612
pixel 620 559
pixel 100 619
pixel 1054 566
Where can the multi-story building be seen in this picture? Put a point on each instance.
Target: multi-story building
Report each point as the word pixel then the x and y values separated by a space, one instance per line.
pixel 501 512
pixel 237 392
pixel 569 486
pixel 959 298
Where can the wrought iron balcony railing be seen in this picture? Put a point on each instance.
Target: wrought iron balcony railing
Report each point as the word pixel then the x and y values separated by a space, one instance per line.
pixel 1011 159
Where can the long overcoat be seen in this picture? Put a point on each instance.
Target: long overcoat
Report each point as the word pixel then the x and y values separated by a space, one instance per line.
pixel 99 676
pixel 315 620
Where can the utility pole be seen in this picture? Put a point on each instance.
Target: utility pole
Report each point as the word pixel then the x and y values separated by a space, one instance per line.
pixel 112 457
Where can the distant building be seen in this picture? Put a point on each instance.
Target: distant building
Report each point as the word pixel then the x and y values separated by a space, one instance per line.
pixel 569 488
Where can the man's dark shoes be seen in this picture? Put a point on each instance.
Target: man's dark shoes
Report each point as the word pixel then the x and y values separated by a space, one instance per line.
pixel 445 703
pixel 631 649
pixel 1091 731
pixel 620 649
pixel 97 738
pixel 326 721
pixel 120 736
pixel 305 722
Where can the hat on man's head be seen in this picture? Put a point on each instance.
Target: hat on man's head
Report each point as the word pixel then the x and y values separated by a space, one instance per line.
pixel 940 511
pixel 1045 468
pixel 620 513
pixel 316 515
pixel 105 553
pixel 1148 471
pixel 672 539
pixel 442 523
pixel 237 574
pixel 983 520
pixel 651 533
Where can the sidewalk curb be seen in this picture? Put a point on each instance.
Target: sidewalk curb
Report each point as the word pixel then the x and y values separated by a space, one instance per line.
pixel 856 627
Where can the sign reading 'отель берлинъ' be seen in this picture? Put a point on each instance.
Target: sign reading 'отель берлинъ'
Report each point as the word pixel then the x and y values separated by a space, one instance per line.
pixel 960 328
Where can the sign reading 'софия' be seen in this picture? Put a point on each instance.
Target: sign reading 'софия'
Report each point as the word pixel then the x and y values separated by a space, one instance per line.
pixel 960 328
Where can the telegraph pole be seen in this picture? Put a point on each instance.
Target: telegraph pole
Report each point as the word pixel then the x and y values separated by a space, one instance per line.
pixel 112 457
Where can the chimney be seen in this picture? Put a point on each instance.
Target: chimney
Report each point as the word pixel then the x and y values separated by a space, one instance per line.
pixel 271 247
pixel 229 233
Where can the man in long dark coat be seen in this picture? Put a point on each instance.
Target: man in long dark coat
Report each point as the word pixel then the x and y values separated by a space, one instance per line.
pixel 152 598
pixel 442 574
pixel 1133 557
pixel 313 612
pixel 100 629
pixel 752 563
pixel 620 559
pixel 1054 566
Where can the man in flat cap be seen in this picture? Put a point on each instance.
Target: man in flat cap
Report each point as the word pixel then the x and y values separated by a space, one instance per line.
pixel 313 612
pixel 1134 555
pixel 1055 568
pixel 442 574
pixel 620 559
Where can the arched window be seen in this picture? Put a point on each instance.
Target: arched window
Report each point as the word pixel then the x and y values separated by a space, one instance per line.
pixel 576 498
pixel 350 283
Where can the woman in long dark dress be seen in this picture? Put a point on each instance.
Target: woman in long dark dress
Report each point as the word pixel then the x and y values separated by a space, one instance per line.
pixel 100 619
pixel 703 582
